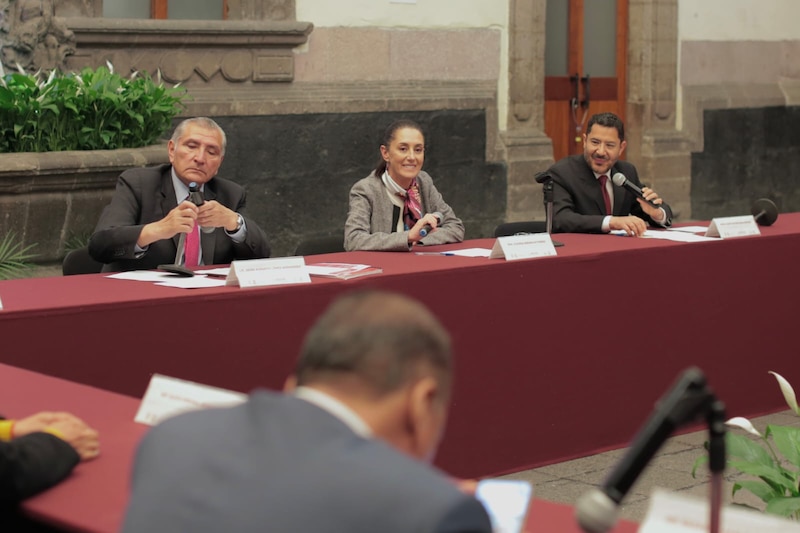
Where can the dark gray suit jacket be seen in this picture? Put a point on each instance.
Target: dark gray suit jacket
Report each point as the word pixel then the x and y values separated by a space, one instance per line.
pixel 578 205
pixel 33 463
pixel 146 195
pixel 278 463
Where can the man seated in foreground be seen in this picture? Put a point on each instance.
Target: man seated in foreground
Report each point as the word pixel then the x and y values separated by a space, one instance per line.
pixel 345 449
pixel 39 451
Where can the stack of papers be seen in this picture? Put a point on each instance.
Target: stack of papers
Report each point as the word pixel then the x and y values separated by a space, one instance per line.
pixel 341 270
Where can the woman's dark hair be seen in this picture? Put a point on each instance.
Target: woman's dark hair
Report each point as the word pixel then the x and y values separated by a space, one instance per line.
pixel 388 136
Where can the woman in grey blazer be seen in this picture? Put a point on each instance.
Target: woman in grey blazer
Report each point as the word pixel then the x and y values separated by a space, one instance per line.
pixel 391 209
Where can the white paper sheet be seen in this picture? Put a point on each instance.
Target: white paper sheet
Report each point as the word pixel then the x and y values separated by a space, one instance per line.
pixel 690 229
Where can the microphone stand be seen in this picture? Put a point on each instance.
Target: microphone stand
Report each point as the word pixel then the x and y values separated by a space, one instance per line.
pixel 688 399
pixel 716 461
pixel 547 187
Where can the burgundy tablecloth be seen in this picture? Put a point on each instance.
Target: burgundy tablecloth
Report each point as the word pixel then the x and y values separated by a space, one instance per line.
pixel 556 357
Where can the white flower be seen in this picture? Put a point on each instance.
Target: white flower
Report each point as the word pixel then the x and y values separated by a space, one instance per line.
pixel 743 423
pixel 110 66
pixel 788 392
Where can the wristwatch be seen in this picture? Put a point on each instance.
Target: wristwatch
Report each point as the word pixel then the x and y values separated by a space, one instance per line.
pixel 239 223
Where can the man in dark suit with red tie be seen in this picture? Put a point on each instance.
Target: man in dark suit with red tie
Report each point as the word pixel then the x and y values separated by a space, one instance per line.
pixel 585 200
pixel 140 228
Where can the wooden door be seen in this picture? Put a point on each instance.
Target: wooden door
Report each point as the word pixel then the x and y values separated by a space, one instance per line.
pixel 585 66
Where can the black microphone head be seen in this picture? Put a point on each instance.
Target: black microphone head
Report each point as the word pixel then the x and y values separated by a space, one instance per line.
pixel 596 512
pixel 193 187
pixel 765 211
pixel 619 179
pixel 543 176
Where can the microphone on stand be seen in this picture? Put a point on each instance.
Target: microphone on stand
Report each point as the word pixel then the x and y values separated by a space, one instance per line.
pixel 546 179
pixel 764 211
pixel 427 227
pixel 196 197
pixel 688 399
pixel 620 180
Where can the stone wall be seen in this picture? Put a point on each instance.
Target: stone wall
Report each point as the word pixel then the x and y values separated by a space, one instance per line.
pixel 748 154
pixel 298 169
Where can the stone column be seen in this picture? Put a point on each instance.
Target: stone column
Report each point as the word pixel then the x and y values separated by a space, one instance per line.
pixel 528 149
pixel 660 152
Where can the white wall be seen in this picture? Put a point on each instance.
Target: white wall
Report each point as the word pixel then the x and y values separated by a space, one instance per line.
pixel 738 20
pixel 420 14
pixel 734 21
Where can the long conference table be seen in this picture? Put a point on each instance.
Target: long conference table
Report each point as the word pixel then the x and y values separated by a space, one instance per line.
pixel 556 357
pixel 94 497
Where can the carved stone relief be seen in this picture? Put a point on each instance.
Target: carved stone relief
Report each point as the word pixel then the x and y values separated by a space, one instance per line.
pixel 33 37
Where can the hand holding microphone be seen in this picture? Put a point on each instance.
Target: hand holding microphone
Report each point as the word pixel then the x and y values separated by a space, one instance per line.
pixel 427 228
pixel 620 180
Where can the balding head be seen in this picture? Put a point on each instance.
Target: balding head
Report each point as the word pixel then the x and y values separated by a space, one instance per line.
pixel 382 338
pixel 388 359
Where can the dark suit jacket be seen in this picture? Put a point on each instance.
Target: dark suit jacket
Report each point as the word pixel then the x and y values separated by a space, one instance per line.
pixel 578 205
pixel 146 195
pixel 32 463
pixel 280 464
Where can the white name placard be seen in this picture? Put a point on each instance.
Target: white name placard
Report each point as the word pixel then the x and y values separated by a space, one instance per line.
pixel 166 397
pixel 730 227
pixel 266 272
pixel 678 513
pixel 526 246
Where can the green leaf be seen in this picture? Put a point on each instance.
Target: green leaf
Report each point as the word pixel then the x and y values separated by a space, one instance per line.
pixel 703 459
pixel 783 506
pixel 771 474
pixel 746 449
pixel 759 488
pixel 787 440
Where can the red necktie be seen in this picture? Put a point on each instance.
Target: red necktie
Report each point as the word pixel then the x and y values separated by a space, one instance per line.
pixel 603 179
pixel 192 250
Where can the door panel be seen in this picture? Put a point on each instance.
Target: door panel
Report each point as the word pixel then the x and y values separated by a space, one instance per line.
pixel 585 61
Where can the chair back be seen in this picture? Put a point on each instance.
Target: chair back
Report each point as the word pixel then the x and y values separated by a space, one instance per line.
pixel 321 245
pixel 514 228
pixel 79 261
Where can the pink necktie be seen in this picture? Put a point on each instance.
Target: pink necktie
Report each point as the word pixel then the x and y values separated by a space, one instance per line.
pixel 603 179
pixel 192 250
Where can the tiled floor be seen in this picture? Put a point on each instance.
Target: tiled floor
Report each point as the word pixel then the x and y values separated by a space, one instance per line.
pixel 671 469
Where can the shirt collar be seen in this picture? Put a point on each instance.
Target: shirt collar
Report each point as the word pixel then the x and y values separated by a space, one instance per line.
pixel 336 408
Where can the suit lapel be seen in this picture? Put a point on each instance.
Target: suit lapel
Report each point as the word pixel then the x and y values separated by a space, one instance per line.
pixel 593 186
pixel 619 194
pixel 168 201
pixel 208 241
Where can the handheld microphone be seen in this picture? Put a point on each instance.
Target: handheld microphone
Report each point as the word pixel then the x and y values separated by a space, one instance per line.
pixel 196 197
pixel 620 180
pixel 688 398
pixel 427 227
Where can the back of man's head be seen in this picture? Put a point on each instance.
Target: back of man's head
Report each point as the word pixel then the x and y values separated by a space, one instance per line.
pixel 381 340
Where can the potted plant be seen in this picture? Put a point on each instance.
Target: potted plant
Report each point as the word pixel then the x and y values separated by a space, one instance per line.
pixel 64 139
pixel 771 457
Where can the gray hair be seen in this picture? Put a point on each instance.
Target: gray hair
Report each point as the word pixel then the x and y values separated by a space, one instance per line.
pixel 203 122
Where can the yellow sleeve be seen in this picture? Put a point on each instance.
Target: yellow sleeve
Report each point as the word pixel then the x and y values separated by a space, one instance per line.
pixel 6 430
